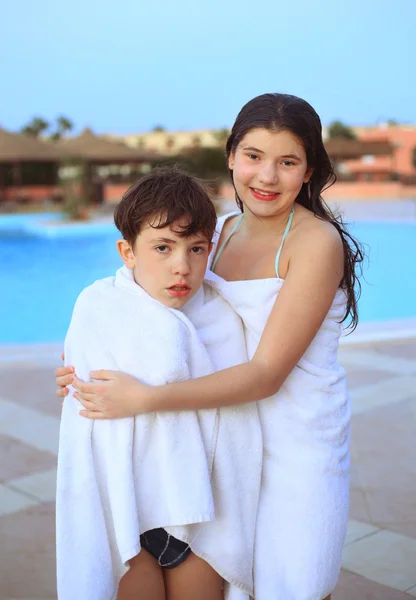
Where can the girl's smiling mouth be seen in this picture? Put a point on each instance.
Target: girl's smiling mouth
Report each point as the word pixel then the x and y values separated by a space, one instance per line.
pixel 264 194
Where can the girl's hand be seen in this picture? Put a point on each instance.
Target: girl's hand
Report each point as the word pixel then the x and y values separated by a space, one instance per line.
pixel 114 395
pixel 64 376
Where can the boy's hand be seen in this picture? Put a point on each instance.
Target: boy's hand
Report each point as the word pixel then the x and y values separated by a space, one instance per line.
pixel 114 395
pixel 63 377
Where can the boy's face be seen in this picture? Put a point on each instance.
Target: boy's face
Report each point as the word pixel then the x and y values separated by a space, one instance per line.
pixel 170 268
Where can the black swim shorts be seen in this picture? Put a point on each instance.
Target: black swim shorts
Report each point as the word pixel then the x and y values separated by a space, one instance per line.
pixel 168 551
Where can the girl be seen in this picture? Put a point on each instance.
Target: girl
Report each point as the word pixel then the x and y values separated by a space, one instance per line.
pixel 287 266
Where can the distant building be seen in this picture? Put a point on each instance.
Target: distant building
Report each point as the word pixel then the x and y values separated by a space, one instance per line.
pixel 174 142
pixel 384 169
pixel 398 166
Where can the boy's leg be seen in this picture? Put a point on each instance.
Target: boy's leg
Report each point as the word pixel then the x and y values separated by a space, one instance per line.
pixel 144 579
pixel 194 579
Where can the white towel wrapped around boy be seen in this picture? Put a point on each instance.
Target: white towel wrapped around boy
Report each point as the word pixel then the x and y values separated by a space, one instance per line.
pixel 120 478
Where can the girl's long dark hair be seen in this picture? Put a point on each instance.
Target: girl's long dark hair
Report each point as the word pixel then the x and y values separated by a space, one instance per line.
pixel 283 112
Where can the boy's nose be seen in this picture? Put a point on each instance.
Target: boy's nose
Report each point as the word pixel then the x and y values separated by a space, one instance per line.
pixel 181 267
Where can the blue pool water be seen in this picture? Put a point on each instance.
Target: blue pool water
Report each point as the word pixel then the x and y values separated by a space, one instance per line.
pixel 42 275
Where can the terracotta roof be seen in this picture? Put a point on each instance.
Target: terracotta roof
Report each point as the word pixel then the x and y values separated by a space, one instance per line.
pixel 16 147
pixel 341 148
pixel 92 147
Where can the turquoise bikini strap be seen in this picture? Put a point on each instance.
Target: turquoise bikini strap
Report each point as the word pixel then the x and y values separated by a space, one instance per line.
pixel 221 250
pixel 237 225
pixel 289 223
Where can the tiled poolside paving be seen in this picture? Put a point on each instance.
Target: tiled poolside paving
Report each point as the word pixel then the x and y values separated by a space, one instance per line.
pixel 380 550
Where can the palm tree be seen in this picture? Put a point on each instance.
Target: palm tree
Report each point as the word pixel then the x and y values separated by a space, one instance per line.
pixel 63 125
pixel 35 127
pixel 338 129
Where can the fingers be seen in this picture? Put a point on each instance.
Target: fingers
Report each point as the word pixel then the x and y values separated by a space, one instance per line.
pixel 62 392
pixel 61 371
pixel 83 398
pixel 89 406
pixel 91 414
pixel 85 387
pixel 64 380
pixel 88 387
pixel 101 374
pixel 62 356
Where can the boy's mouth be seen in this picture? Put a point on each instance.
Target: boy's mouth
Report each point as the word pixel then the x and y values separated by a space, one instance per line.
pixel 179 290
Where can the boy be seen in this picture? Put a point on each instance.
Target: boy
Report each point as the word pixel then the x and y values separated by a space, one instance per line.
pixel 129 488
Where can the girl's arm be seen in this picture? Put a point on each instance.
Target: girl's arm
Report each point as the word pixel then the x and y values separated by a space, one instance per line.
pixel 313 277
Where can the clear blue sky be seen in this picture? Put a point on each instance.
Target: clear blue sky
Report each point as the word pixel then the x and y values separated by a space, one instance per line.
pixel 127 65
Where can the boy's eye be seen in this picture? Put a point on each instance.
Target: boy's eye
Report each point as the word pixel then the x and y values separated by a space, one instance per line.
pixel 288 163
pixel 197 249
pixel 162 249
pixel 252 156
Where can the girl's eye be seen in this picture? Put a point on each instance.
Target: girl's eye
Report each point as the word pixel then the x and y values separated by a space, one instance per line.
pixel 252 156
pixel 162 249
pixel 198 250
pixel 288 163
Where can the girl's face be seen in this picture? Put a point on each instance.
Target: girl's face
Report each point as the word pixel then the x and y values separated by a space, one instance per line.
pixel 269 169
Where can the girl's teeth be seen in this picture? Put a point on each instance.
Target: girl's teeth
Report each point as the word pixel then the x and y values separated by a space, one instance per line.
pixel 265 193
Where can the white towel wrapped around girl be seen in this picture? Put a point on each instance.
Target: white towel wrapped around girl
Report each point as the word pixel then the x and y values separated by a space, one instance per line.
pixel 303 508
pixel 195 473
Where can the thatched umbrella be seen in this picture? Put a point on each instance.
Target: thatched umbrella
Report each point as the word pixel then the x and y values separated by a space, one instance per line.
pixel 95 149
pixel 16 148
pixel 89 150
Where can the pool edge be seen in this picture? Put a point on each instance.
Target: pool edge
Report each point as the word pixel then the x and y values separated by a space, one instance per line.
pixel 46 354
pixel 381 331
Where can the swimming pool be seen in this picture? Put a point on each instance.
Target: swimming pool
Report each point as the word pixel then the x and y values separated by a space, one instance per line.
pixel 43 273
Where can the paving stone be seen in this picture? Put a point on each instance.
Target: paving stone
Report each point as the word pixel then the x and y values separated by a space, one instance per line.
pixel 406 350
pixel 358 506
pixel 35 389
pixel 354 587
pixel 383 393
pixel 39 485
pixel 358 530
pixel 383 469
pixel 29 426
pixel 361 377
pixel 385 557
pixel 12 501
pixel 372 359
pixel 19 459
pixel 27 554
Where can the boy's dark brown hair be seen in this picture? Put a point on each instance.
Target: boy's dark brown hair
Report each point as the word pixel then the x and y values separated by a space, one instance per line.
pixel 161 198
